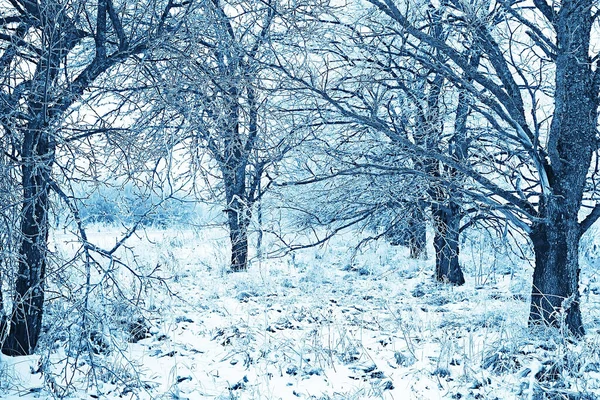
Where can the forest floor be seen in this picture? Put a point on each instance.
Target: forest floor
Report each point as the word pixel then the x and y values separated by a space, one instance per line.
pixel 324 323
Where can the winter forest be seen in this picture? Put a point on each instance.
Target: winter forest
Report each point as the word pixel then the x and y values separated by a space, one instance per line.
pixel 312 199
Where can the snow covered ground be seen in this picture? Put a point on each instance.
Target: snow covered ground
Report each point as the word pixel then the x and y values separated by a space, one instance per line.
pixel 324 323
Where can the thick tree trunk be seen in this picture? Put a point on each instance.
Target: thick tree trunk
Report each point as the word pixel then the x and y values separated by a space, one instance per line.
pixel 22 329
pixel 555 295
pixel 28 302
pixel 446 244
pixel 571 142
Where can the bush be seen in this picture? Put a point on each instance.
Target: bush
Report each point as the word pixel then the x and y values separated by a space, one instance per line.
pixel 111 205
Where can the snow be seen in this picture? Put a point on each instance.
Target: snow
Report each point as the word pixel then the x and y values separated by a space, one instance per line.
pixel 327 323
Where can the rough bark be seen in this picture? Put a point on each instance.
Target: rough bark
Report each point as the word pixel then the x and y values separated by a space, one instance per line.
pixel 446 212
pixel 28 302
pixel 446 244
pixel 239 193
pixel 447 218
pixel 571 139
pixel 555 300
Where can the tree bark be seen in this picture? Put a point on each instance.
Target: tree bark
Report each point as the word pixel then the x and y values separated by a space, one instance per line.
pixel 238 233
pixel 28 303
pixel 555 294
pixel 233 168
pixel 552 204
pixel 238 217
pixel 571 141
pixel 446 213
pixel 446 244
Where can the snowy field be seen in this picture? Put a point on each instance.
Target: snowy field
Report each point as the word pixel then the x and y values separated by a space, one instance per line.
pixel 324 323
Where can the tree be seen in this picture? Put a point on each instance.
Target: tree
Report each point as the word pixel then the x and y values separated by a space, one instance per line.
pixel 367 81
pixel 409 229
pixel 532 160
pixel 224 99
pixel 8 219
pixel 52 53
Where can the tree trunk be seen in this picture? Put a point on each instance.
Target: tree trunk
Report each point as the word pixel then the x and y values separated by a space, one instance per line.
pixel 417 240
pixel 239 247
pixel 238 218
pixel 446 244
pixel 571 143
pixel 410 232
pixel 555 295
pixel 28 302
pixel 259 220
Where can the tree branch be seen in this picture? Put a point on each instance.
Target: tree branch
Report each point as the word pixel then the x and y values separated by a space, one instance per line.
pixel 590 219
pixel 546 10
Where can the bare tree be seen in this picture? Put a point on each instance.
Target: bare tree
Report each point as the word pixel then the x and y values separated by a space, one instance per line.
pixel 52 53
pixel 217 87
pixel 364 73
pixel 9 199
pixel 559 151
pixel 534 89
